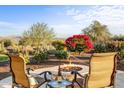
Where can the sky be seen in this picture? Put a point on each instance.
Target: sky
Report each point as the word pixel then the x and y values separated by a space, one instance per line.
pixel 64 19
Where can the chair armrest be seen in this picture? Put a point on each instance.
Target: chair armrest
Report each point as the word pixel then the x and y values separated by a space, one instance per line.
pixel 45 74
pixel 28 70
pixel 76 73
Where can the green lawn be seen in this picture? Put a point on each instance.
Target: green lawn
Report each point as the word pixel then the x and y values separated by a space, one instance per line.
pixel 3 57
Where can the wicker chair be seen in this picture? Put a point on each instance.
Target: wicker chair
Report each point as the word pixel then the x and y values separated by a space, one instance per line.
pixel 102 71
pixel 21 76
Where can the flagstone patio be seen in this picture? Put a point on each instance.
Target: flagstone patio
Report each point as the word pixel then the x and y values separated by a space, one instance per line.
pixel 6 83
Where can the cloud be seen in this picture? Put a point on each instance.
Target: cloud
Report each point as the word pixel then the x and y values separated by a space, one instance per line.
pixel 113 16
pixel 102 13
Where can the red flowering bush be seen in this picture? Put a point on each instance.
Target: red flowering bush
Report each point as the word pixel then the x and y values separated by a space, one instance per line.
pixel 78 43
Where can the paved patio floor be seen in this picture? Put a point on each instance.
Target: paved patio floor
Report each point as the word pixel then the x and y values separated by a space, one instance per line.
pixel 6 83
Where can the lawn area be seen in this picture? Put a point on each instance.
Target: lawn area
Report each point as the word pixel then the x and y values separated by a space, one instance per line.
pixel 3 58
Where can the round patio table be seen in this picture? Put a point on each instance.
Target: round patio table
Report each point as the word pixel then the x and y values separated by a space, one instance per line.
pixel 59 84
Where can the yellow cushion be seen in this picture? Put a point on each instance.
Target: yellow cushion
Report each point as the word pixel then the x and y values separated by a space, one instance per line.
pixel 70 77
pixel 33 81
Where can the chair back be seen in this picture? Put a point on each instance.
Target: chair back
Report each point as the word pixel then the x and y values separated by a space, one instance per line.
pixel 102 70
pixel 17 66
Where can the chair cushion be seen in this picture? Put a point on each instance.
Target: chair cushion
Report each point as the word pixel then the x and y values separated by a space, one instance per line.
pixel 70 77
pixel 35 81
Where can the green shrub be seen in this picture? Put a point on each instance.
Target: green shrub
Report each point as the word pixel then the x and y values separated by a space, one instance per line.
pixel 121 54
pixel 121 51
pixel 60 54
pixel 3 57
pixel 7 42
pixel 112 47
pixel 122 45
pixel 79 48
pixel 53 51
pixel 118 37
pixel 58 44
pixel 106 47
pixel 99 48
pixel 41 56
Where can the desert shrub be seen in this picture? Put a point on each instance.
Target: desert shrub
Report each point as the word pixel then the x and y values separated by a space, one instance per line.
pixel 99 48
pixel 61 54
pixel 122 45
pixel 3 50
pixel 112 47
pixel 105 47
pixel 25 56
pixel 58 45
pixel 41 56
pixel 121 51
pixel 7 43
pixel 121 54
pixel 52 51
pixel 98 32
pixel 118 37
pixel 38 35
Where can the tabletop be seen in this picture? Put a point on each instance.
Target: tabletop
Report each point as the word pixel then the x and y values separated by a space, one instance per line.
pixel 59 84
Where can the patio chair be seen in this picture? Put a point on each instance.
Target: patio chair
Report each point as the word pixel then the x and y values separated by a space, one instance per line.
pixel 21 76
pixel 102 72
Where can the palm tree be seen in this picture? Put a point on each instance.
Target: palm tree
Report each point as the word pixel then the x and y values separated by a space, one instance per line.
pixel 98 32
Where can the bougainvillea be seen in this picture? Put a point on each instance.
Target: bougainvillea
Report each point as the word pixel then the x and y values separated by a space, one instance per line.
pixel 78 43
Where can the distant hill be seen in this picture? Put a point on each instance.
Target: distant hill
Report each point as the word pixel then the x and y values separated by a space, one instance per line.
pixel 59 38
pixel 15 38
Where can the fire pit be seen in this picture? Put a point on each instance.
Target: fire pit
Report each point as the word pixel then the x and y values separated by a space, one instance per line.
pixel 70 67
